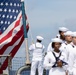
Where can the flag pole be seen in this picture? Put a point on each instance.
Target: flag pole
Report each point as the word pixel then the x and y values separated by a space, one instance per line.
pixel 25 34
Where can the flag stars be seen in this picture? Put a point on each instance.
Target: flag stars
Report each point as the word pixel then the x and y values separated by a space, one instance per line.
pixel 3 16
pixel 11 4
pixel 5 10
pixel 5 22
pixel 4 28
pixel 18 5
pixel 1 4
pixel 13 10
pixel 1 22
pixel 16 11
pixel 7 16
pixel 9 10
pixel 6 4
pixel 14 17
pixel 10 16
pixel 14 4
pixel 8 22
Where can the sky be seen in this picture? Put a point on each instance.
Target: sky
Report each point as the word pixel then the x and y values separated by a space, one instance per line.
pixel 46 16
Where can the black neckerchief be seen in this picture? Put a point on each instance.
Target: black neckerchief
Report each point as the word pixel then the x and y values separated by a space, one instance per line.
pixel 56 58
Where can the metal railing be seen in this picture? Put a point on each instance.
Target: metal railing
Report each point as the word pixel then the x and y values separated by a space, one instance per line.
pixel 17 66
pixel 9 62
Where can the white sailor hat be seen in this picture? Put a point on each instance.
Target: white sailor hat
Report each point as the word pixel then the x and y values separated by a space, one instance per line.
pixel 56 40
pixel 63 29
pixel 74 34
pixel 39 38
pixel 68 33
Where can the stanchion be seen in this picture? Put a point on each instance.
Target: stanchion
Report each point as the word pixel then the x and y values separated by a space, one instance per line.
pixel 24 70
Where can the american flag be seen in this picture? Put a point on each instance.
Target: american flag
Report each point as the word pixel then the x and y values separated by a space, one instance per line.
pixel 11 28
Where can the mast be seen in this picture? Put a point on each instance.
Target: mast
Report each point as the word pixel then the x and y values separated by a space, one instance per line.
pixel 25 33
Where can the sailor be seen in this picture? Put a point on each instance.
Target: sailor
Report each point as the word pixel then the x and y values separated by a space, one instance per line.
pixel 55 60
pixel 72 56
pixel 72 62
pixel 37 59
pixel 68 40
pixel 61 35
pixel 73 43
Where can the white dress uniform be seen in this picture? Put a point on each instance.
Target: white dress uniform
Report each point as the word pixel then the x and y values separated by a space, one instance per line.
pixel 65 47
pixel 69 49
pixel 49 62
pixel 72 58
pixel 37 59
pixel 72 62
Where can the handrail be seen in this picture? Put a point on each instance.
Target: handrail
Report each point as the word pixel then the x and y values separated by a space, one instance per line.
pixel 22 69
pixel 9 60
pixel 5 55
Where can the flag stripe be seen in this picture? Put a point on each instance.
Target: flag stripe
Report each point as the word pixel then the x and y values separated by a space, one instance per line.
pixel 11 26
pixel 11 29
pixel 14 39
pixel 10 32
pixel 13 52
pixel 10 48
